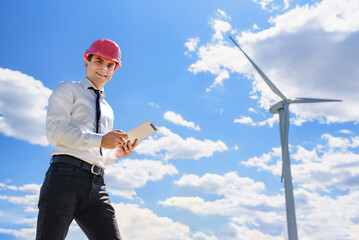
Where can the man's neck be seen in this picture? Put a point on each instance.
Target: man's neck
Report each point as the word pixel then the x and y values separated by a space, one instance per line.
pixel 98 87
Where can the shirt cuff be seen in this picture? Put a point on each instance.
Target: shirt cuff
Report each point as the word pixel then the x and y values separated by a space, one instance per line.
pixel 95 140
pixel 110 157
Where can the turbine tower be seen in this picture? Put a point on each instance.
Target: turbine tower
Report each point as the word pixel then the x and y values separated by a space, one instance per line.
pixel 282 108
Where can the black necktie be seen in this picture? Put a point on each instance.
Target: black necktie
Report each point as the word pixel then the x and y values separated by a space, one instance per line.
pixel 98 111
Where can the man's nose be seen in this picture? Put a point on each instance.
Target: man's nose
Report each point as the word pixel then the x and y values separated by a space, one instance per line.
pixel 103 67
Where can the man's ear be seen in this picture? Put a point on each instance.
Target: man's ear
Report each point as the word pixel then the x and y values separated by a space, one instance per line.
pixel 86 64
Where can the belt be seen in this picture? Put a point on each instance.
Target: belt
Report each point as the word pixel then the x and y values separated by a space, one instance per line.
pixel 94 169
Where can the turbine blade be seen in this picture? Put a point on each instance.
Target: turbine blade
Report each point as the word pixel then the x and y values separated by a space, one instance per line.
pixel 265 78
pixel 312 100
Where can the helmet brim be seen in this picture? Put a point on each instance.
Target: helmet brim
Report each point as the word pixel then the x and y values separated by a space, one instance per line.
pixel 104 56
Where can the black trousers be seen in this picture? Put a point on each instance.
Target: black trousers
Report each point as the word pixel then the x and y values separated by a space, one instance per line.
pixel 68 193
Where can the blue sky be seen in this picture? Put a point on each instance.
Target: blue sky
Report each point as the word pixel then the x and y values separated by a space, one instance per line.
pixel 213 169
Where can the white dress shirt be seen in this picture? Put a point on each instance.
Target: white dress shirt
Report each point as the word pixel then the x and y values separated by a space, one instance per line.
pixel 71 123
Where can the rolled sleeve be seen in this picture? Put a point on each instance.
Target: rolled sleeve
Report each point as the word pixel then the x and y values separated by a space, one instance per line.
pixel 95 140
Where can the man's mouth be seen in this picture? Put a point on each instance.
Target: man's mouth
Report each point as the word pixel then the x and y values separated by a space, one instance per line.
pixel 102 75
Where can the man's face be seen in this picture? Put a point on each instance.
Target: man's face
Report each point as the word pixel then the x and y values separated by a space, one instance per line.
pixel 100 70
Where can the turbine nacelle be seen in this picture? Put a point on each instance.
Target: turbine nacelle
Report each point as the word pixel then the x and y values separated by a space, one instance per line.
pixel 274 109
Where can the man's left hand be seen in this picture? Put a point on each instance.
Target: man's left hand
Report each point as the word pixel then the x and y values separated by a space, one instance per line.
pixel 126 149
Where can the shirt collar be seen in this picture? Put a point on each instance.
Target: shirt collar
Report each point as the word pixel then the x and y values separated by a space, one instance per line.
pixel 86 83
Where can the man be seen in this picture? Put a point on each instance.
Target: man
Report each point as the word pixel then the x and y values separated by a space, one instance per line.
pixel 79 123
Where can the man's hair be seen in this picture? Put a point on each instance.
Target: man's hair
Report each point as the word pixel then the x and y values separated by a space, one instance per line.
pixel 90 57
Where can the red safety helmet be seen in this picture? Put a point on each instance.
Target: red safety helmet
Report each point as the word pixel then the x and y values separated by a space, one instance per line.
pixel 105 48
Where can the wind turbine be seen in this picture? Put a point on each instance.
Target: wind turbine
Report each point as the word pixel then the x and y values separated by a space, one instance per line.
pixel 282 108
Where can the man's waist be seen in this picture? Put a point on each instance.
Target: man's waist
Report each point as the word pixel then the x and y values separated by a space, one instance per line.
pixel 91 156
pixel 92 168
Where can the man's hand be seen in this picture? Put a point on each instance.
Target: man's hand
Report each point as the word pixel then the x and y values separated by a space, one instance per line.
pixel 114 139
pixel 126 149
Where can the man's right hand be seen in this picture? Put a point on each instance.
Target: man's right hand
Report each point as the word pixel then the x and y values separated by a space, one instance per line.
pixel 113 139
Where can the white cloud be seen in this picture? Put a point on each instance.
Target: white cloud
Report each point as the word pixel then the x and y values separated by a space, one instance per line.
pixel 179 120
pixel 25 196
pixel 191 45
pixel 354 231
pixel 169 145
pixel 291 54
pixel 332 165
pixel 268 161
pixel 263 3
pixel 271 5
pixel 25 217
pixel 209 56
pixel 222 14
pixel 221 185
pixel 143 224
pixel 220 27
pixel 244 232
pixel 203 236
pixel 23 233
pixel 329 15
pixel 34 188
pixel 75 232
pixel 336 142
pixel 287 3
pixel 28 201
pixel 244 120
pixel 23 102
pixel 252 110
pixel 249 121
pixel 222 75
pixel 237 196
pixel 345 131
pixel 220 110
pixel 253 213
pixel 153 105
pixel 316 222
pixel 124 177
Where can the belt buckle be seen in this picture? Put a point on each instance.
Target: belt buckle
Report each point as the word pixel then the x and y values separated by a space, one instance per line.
pixel 92 170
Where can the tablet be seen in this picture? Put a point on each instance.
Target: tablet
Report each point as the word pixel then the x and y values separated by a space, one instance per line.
pixel 141 132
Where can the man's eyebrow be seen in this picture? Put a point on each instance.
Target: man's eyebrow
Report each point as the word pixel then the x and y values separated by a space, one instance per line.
pixel 99 58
